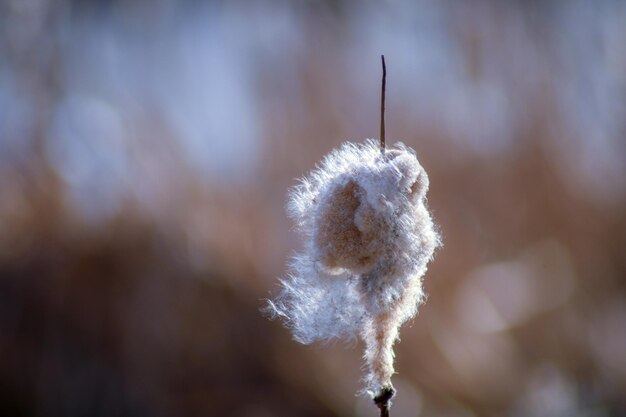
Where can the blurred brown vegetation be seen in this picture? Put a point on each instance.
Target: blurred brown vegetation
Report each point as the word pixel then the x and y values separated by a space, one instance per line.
pixel 146 149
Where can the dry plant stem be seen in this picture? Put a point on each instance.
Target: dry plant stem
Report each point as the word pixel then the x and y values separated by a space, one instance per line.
pixel 384 410
pixel 382 400
pixel 382 107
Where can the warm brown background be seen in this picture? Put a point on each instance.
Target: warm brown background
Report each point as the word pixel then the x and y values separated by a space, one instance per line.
pixel 145 152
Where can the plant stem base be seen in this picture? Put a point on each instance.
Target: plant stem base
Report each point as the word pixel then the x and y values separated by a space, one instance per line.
pixel 383 399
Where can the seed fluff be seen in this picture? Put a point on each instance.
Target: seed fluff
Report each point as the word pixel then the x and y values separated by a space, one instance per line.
pixel 368 237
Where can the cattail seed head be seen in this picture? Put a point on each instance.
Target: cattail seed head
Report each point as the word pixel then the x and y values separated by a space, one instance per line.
pixel 368 237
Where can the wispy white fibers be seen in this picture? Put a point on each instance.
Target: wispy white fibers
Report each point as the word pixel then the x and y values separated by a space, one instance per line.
pixel 368 237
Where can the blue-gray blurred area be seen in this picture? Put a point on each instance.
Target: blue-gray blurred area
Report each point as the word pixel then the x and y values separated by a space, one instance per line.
pixel 146 148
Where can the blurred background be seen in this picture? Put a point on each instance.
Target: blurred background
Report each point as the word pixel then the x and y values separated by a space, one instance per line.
pixel 146 148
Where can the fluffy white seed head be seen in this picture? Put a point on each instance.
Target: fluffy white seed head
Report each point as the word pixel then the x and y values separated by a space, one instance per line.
pixel 368 237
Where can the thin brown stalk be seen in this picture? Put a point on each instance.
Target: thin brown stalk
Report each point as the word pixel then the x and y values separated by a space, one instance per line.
pixel 383 399
pixel 382 107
